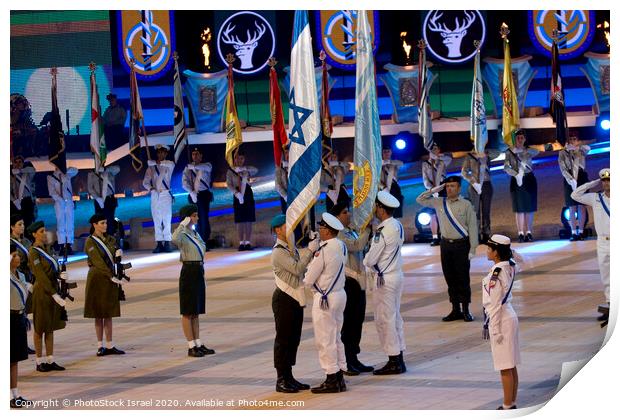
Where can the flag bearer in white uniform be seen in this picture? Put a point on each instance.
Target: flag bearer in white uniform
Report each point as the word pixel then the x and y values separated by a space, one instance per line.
pixel 157 181
pixel 60 189
pixel 326 277
pixel 385 260
pixel 501 324
pixel 600 203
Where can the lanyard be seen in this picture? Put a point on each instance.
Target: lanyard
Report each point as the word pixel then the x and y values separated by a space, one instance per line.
pixel 600 196
pixel 49 259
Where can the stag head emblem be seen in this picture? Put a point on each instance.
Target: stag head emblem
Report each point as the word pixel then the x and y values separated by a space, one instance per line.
pixel 244 49
pixel 452 37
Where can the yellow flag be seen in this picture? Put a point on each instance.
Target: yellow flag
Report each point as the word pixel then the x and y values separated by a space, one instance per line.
pixel 510 112
pixel 233 128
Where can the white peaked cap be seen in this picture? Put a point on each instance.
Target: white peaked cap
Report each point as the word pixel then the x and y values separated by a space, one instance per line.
pixel 388 199
pixel 500 240
pixel 332 221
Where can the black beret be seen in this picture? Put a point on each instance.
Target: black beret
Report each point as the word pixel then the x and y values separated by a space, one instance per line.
pixel 188 210
pixel 35 226
pixel 16 217
pixel 96 218
pixel 453 178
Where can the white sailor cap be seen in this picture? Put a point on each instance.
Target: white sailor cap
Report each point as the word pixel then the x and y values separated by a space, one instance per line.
pixel 499 240
pixel 604 173
pixel 161 146
pixel 331 221
pixel 387 199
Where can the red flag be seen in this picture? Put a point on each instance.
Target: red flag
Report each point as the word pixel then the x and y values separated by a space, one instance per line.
pixel 326 118
pixel 277 117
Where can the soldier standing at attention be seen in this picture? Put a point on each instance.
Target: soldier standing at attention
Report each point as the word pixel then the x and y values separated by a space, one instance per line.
pixel 157 181
pixel 433 175
pixel 238 182
pixel 326 277
pixel 23 200
pixel 60 189
pixel 459 239
pixel 197 182
pixel 101 187
pixel 477 171
pixel 288 303
pixel 355 288
pixel 101 299
pixel 385 260
pixel 192 285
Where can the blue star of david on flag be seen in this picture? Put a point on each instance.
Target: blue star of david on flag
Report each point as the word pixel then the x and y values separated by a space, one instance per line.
pixel 300 115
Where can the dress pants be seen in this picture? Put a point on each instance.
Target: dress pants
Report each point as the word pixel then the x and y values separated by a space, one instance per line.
pixel 482 206
pixel 388 320
pixel 327 324
pixel 64 221
pixel 354 314
pixel 455 267
pixel 161 209
pixel 203 203
pixel 289 317
pixel 602 252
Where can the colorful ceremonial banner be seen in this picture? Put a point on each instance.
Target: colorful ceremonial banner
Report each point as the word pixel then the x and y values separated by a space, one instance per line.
pixel 425 125
pixel 97 138
pixel 304 131
pixel 206 94
pixel 510 111
pixel 326 117
pixel 557 107
pixel 367 148
pixel 277 117
pixel 180 134
pixel 232 127
pixel 478 119
pixel 597 71
pixel 576 30
pixel 57 155
pixel 135 122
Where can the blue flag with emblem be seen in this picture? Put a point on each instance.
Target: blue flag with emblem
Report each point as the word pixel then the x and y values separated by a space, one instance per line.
pixel 478 119
pixel 367 148
pixel 304 128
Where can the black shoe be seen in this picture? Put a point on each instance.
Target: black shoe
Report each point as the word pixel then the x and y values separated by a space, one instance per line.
pixel 435 242
pixel 351 370
pixel 248 247
pixel 392 367
pixel 18 402
pixel 529 237
pixel 31 351
pixel 166 247
pixel 467 317
pixel 195 352
pixel 241 247
pixel 401 359
pixel 573 238
pixel 521 238
pixel 283 385
pixel 581 237
pixel 362 367
pixel 69 249
pixel 43 367
pixel 206 350
pixel 102 351
pixel 501 407
pixel 300 386
pixel 342 384
pixel 604 317
pixel 114 350
pixel 452 316
pixel 55 366
pixel 158 248
pixel 329 386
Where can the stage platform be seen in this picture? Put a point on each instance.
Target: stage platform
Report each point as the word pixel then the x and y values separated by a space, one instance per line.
pixel 449 365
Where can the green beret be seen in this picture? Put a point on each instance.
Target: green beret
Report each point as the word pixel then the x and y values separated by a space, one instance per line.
pixel 188 210
pixel 96 218
pixel 35 226
pixel 278 220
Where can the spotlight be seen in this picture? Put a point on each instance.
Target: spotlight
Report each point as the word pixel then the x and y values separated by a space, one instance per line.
pixel 400 144
pixel 423 225
pixel 605 124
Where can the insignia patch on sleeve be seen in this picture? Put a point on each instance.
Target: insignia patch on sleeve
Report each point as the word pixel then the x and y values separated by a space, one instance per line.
pixel 494 277
pixel 37 262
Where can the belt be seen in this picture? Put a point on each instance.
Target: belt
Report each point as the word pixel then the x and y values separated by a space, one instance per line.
pixel 455 241
pixel 193 262
pixel 17 312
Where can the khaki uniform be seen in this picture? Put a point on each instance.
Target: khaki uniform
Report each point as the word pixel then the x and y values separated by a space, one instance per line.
pixel 46 312
pixel 102 295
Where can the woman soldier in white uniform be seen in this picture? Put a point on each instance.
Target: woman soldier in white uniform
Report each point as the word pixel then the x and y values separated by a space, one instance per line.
pixel 500 320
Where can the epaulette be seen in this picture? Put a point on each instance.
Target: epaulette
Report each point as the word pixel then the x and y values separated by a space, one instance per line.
pixel 378 234
pixel 494 277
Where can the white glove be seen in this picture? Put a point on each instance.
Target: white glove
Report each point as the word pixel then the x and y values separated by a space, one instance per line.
pixel 18 203
pixel 476 186
pixel 60 301
pixel 239 197
pixel 573 184
pixel 313 245
pixel 64 275
pixel 519 177
pixel 118 253
pixel 471 255
pixel 117 281
pixel 186 221
pixel 499 338
pixel 313 235
pixel 194 196
pixel 15 171
pixel 436 194
pixel 285 198
pixel 333 195
pixel 151 162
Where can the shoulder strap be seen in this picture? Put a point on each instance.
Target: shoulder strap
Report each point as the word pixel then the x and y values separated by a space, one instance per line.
pixel 600 197
pixel 457 226
pixel 104 249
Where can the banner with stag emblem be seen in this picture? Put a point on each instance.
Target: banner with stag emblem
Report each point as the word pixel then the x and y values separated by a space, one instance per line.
pixel 450 34
pixel 336 35
pixel 147 37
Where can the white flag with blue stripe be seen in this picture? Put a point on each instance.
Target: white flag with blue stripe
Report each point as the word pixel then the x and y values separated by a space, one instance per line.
pixel 304 128
pixel 478 119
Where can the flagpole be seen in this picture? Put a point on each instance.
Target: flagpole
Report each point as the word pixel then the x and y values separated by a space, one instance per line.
pixel 230 58
pixel 92 67
pixel 146 142
pixel 175 55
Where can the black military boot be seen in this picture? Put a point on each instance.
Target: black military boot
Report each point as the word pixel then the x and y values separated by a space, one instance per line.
pixel 467 316
pixel 166 247
pixel 342 385
pixel 158 248
pixel 392 367
pixel 455 314
pixel 329 386
pixel 402 362
pixel 283 384
pixel 300 386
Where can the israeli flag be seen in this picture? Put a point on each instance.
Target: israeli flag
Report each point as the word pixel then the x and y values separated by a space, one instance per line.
pixel 304 128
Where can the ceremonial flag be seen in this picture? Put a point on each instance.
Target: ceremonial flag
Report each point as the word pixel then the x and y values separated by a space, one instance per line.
pixel 57 155
pixel 478 119
pixel 326 117
pixel 367 147
pixel 97 138
pixel 304 128
pixel 135 121
pixel 277 117
pixel 425 126
pixel 233 128
pixel 510 112
pixel 557 107
pixel 180 135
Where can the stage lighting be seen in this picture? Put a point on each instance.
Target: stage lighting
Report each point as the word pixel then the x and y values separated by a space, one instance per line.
pixel 605 124
pixel 423 225
pixel 400 144
pixel 424 218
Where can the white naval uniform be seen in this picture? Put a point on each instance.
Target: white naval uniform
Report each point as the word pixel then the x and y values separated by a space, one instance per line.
pixel 21 185
pixel 100 185
pixel 60 189
pixel 157 181
pixel 385 255
pixel 601 223
pixel 502 319
pixel 326 270
pixel 196 178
